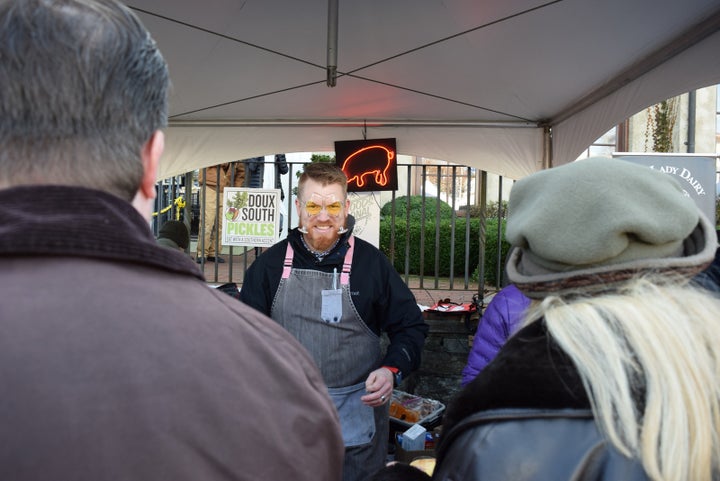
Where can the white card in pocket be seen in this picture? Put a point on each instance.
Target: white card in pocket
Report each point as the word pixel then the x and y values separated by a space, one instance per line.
pixel 331 310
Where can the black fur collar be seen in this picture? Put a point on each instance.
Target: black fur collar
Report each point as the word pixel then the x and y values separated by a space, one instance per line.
pixel 530 371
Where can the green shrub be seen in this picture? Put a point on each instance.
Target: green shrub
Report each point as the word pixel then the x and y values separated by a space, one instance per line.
pixel 414 233
pixel 491 252
pixel 491 210
pixel 475 210
pixel 416 206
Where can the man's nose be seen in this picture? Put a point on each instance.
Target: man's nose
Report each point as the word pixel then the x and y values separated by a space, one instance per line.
pixel 323 214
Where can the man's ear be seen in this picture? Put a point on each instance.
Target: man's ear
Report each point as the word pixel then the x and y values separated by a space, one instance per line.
pixel 150 155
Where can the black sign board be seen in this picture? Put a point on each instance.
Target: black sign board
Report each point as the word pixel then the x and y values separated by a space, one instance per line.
pixel 370 165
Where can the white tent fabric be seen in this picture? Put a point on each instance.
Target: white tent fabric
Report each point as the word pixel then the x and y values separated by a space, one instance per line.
pixel 507 86
pixel 501 151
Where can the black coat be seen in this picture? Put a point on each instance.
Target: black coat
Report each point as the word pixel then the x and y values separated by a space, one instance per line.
pixel 281 168
pixel 381 298
pixel 526 417
pixel 254 171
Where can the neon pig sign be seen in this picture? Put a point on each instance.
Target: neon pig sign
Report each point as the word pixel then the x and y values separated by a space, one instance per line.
pixel 370 165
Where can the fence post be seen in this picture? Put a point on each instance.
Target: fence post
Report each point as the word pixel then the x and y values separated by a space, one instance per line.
pixel 482 230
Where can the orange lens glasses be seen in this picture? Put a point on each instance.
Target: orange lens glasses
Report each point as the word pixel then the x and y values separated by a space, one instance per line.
pixel 313 208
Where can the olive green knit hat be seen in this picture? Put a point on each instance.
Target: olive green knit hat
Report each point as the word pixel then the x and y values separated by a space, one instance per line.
pixel 599 221
pixel 175 231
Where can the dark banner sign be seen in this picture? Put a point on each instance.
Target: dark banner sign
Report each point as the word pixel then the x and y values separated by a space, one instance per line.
pixel 695 172
pixel 370 165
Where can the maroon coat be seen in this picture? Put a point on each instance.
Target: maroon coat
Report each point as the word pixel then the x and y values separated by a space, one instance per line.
pixel 118 362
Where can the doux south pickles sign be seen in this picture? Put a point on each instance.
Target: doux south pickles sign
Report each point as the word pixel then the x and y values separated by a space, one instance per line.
pixel 251 217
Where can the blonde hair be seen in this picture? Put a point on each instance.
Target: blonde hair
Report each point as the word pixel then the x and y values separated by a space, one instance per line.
pixel 649 358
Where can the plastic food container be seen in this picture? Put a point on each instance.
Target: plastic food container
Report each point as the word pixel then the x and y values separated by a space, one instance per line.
pixel 408 409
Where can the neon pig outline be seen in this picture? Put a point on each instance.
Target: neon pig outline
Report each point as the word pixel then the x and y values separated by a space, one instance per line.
pixel 381 177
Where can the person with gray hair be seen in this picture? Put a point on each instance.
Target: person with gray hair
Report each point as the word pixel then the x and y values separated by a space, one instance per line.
pixel 616 372
pixel 125 364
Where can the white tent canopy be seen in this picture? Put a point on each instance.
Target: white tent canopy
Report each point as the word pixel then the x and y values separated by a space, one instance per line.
pixel 507 86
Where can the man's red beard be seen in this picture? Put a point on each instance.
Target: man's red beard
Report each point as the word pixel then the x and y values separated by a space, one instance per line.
pixel 322 243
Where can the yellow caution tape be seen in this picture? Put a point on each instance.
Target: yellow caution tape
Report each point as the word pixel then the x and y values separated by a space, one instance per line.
pixel 178 202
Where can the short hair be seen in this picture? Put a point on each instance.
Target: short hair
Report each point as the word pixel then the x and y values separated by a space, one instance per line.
pixel 325 173
pixel 84 86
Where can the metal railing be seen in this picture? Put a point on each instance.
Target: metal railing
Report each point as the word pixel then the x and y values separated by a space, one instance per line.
pixel 433 228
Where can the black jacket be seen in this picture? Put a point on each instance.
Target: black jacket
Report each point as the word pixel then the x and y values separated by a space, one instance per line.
pixel 380 296
pixel 254 172
pixel 526 417
pixel 281 168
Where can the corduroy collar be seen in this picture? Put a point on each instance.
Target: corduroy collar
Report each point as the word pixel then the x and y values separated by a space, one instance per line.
pixel 75 221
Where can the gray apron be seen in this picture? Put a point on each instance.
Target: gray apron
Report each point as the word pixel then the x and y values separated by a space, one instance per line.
pixel 316 308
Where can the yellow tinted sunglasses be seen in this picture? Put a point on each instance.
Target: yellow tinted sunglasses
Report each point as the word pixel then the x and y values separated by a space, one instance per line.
pixel 313 208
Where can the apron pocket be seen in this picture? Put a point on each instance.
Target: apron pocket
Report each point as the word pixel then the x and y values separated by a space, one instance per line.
pixel 357 420
pixel 331 310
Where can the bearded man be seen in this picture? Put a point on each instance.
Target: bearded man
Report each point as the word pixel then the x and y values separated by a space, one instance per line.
pixel 336 294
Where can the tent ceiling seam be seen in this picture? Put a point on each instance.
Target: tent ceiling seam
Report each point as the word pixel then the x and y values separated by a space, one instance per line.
pixel 358 77
pixel 349 123
pixel 674 47
pixel 226 37
pixel 459 34
pixel 252 97
pixel 350 73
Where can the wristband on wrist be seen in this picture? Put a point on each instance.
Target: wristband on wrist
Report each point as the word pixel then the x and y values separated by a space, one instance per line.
pixel 397 374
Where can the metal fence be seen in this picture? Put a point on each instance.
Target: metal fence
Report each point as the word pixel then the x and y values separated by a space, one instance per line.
pixel 447 203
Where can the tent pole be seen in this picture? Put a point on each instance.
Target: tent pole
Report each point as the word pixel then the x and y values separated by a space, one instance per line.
pixel 332 42
pixel 547 160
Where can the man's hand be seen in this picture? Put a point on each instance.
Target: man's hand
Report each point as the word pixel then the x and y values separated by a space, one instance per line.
pixel 379 385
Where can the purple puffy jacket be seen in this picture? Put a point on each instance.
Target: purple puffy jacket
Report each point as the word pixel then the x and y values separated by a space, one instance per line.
pixel 500 319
